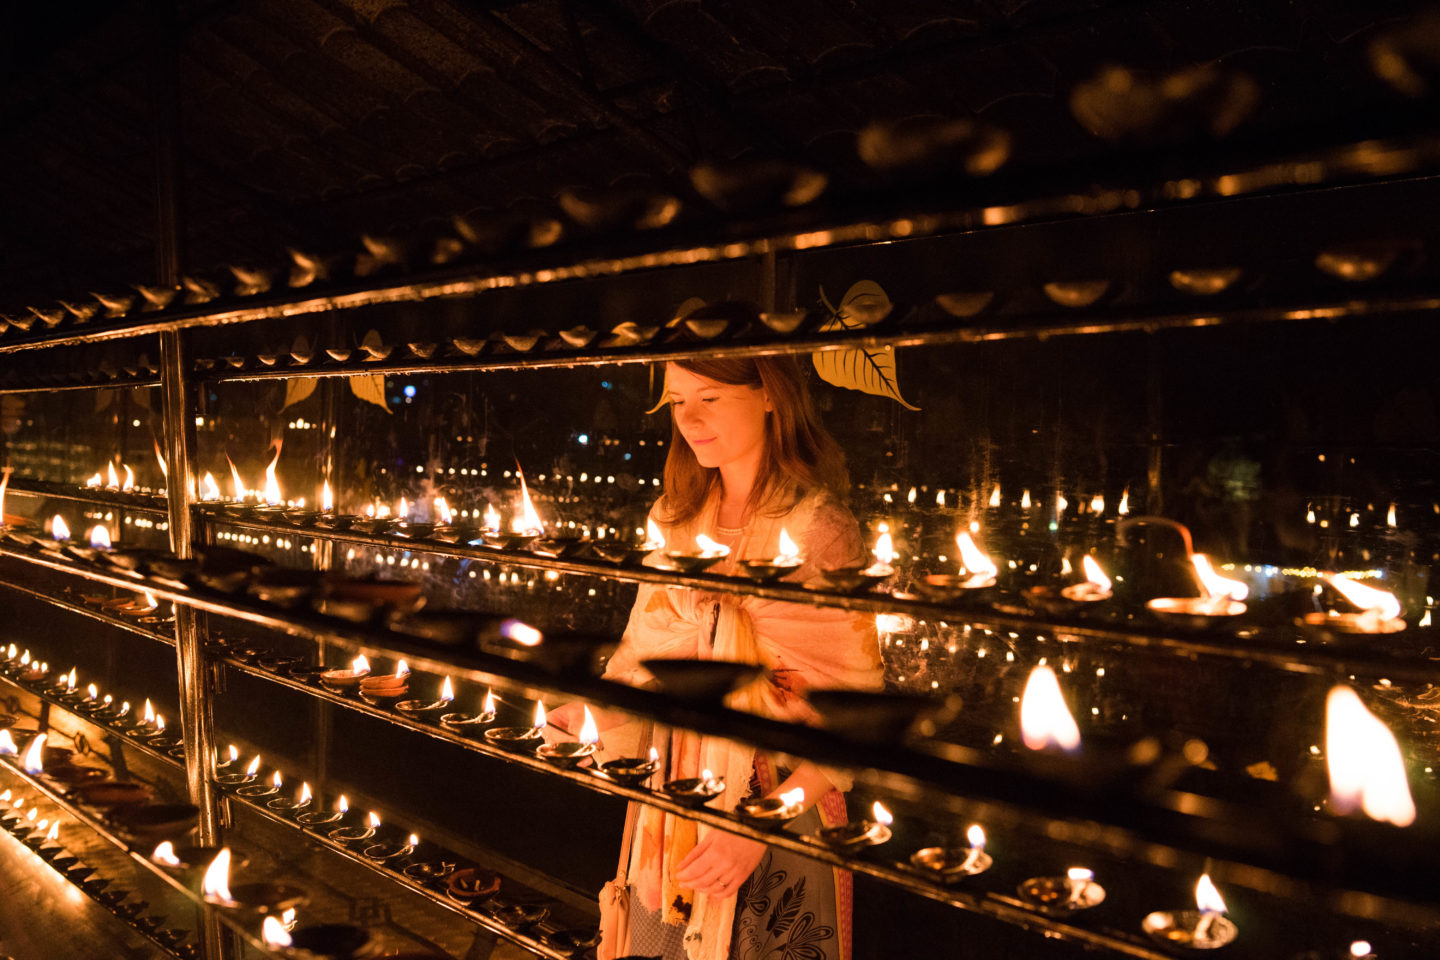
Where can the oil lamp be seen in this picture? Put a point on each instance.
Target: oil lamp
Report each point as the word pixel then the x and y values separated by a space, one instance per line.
pixel 110 712
pixel 392 849
pixel 1220 598
pixel 347 679
pixel 47 848
pixel 695 791
pixel 1367 770
pixel 1380 610
pixel 1077 890
pixel 1095 587
pixel 624 551
pixel 230 762
pixel 387 687
pixel 632 771
pixel 357 833
pixel 254 791
pixel 99 544
pixel 707 552
pixel 164 854
pixel 145 726
pixel 466 721
pixel 949 864
pixel 318 817
pixel 786 561
pixel 573 752
pixel 265 897
pixel 290 805
pixel 977 572
pixel 447 530
pixel 247 775
pixel 863 833
pixel 773 812
pixel 1045 720
pixel 418 707
pixel 59 535
pixel 92 702
pixel 525 526
pixel 1205 928
pixel 523 739
pixel 36 836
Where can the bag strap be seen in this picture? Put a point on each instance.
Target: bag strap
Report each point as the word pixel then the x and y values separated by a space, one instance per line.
pixel 632 816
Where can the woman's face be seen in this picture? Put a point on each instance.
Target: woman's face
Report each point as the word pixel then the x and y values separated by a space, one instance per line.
pixel 723 423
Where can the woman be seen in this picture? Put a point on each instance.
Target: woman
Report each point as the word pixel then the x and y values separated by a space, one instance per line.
pixel 748 459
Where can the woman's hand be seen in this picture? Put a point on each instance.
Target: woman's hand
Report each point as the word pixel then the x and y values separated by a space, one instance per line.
pixel 719 864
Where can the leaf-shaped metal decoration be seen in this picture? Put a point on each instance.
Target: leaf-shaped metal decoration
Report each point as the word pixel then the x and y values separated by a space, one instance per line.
pixel 684 310
pixel 370 387
pixel 855 368
pixel 298 390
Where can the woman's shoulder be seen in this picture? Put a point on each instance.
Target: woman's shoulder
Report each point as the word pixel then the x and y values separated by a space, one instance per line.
pixel 821 510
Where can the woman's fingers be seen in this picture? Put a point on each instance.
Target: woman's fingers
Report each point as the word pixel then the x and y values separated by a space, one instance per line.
pixel 699 850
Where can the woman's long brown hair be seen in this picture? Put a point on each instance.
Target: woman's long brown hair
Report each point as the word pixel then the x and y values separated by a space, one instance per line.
pixel 799 456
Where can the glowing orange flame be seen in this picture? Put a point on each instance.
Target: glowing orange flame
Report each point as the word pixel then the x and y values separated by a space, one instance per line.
pixel 235 479
pixel 95 481
pixel 160 459
pixel 711 548
pixel 165 853
pixel 216 884
pixel 995 496
pixel 404 512
pixel 1215 585
pixel 7 745
pixel 275 780
pixel 539 715
pixel 443 512
pixel 447 691
pixel 589 732
pixel 273 932
pixel 884 549
pixel 373 819
pixel 254 766
pixel 1045 720
pixel 528 521
pixel 1366 767
pixel 129 482
pixel 305 795
pixel 1124 508
pixel 327 498
pixel 147 715
pixel 70 681
pixel 1025 499
pixel 210 490
pixel 1207 898
pixel 59 529
pixel 882 816
pixel 492 518
pixel 979 568
pixel 1094 574
pixel 112 480
pixel 33 762
pixel 342 805
pixel 100 537
pixel 360 664
pixel 794 797
pixel 1097 505
pixel 1381 603
pixel 272 485
pixel 654 539
pixel 789 553
pixel 1080 874
pixel 402 670
pixel 1390 517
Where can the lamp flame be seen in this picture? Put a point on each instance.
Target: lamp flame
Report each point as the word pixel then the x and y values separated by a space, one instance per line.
pixel 327 498
pixel 1080 874
pixel 1390 517
pixel 129 482
pixel 92 692
pixel 1124 508
pixel 373 819
pixel 412 841
pixel 793 798
pixel 1094 574
pixel 539 715
pixel 443 511
pixel 70 681
pixel 305 795
pixel 1382 603
pixel 95 481
pixel 100 537
pixel 1214 585
pixel 159 723
pixel 492 518
pixel 112 479
pixel 216 884
pixel 1097 505
pixel 272 485
pixel 589 732
pixel 234 753
pixel 148 714
pixel 654 755
pixel 150 602
pixel 882 816
pixel 529 520
pixel 710 547
pixel 33 762
pixel 342 805
pixel 1207 898
pixel 488 707
pixel 1360 948
pixel 7 744
pixel 209 489
pixel 254 766
pixel 165 853
pixel 789 553
pixel 1045 720
pixel 995 496
pixel 404 512
pixel 976 836
pixel 447 691
pixel 974 562
pixel 58 528
pixel 160 458
pixel 360 664
pixel 654 539
pixel 235 479
pixel 1365 764
pixel 402 670
pixel 276 781
pixel 273 932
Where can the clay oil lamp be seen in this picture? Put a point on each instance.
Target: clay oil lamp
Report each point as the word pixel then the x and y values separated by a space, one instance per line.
pixel 429 709
pixel 265 897
pixel 344 680
pixel 1095 587
pixel 573 753
pixel 471 721
pixel 111 712
pixel 977 572
pixel 1220 600
pixel 256 791
pixel 705 554
pixel 521 739
pixel 949 865
pixel 1205 928
pixel 861 833
pixel 59 536
pixel 472 884
pixel 233 777
pixel 386 688
pixel 391 850
pixel 375 522
pixel 328 940
pixel 160 740
pixel 525 528
pixel 1365 765
pixel 180 859
pixel 771 813
pixel 292 805
pixel 11 663
pixel 1075 891
pixel 695 791
pixel 1045 720
pixel 145 725
pixel 34 671
pixel 406 527
pixel 1379 610
pixel 358 832
pixel 858 576
pixel 93 703
pixel 36 839
pixel 316 818
pixel 446 529
pixel 69 694
pixel 631 552
pixel 427 872
pixel 787 561
pixel 632 771
pixel 231 765
pixel 301 516
pixel 48 847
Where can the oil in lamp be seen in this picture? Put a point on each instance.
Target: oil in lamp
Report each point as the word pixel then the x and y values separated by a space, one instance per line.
pixel 862 833
pixel 707 552
pixel 977 572
pixel 1205 928
pixel 1367 770
pixel 1095 587
pixel 1077 890
pixel 247 775
pixel 632 771
pixel 466 721
pixel 1220 598
pixel 347 679
pixel 357 833
pixel 786 561
pixel 419 707
pixel 573 752
pixel 290 805
pixel 695 791
pixel 948 864
pixel 523 739
pixel 1380 610
pixel 1045 720
pixel 256 790
pixel 316 818
pixel 773 812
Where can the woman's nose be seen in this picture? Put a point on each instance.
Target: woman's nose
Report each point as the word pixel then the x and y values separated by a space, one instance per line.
pixel 686 416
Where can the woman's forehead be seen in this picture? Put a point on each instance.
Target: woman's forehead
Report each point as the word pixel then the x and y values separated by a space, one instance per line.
pixel 681 380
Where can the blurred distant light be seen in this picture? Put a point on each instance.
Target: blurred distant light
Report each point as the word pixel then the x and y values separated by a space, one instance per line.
pixel 606 384
pixel 409 390
pixel 584 438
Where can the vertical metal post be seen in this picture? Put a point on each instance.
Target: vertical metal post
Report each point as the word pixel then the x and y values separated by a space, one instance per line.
pixel 1155 413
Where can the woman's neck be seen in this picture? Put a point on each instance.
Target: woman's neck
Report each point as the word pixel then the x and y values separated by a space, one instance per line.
pixel 737 483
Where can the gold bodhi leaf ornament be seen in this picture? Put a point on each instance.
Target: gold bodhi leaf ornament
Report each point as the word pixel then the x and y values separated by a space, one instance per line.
pixel 856 368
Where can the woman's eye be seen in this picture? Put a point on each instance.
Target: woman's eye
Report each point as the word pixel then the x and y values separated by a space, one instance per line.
pixel 709 399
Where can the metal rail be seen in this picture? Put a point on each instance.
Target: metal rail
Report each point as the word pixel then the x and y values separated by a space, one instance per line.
pixel 80 609
pixel 1104 803
pixel 106 500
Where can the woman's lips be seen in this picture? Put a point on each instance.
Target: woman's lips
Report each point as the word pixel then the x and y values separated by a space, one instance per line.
pixel 701 443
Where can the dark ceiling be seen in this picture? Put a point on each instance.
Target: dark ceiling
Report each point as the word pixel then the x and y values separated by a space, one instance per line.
pixel 310 122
